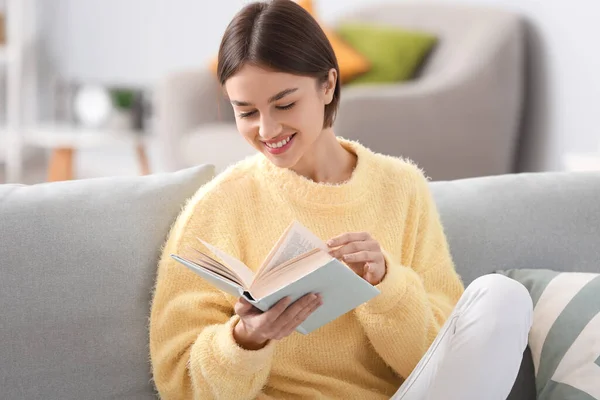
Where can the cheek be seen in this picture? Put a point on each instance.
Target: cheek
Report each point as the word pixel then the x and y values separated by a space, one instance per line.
pixel 317 116
pixel 245 128
pixel 310 118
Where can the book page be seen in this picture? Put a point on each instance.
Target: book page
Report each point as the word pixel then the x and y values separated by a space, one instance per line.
pixel 298 240
pixel 217 280
pixel 294 263
pixel 236 265
pixel 284 277
pixel 215 266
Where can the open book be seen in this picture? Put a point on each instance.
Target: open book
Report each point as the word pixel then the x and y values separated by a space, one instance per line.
pixel 298 264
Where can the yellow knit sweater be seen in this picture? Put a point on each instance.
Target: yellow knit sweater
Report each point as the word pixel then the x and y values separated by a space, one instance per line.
pixel 365 354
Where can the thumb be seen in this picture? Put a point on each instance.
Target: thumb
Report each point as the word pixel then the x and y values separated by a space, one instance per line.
pixel 242 307
pixel 370 274
pixel 244 301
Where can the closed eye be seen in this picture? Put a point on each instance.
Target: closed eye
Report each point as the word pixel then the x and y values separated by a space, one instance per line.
pixel 251 113
pixel 286 107
pixel 247 114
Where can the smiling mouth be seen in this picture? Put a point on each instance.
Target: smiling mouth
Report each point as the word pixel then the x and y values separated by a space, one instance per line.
pixel 280 146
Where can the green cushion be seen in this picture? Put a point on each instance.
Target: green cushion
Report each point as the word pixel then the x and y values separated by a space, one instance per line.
pixel 394 54
pixel 564 340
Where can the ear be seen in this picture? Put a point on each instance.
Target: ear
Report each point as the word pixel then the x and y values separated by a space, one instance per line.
pixel 330 85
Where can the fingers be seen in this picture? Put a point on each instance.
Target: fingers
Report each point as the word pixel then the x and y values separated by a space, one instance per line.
pixel 278 309
pixel 244 308
pixel 280 320
pixel 348 237
pixel 370 246
pixel 363 257
pixel 277 315
pixel 291 312
pixel 299 318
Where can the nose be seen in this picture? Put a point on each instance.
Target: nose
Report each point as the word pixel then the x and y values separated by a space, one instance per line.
pixel 269 128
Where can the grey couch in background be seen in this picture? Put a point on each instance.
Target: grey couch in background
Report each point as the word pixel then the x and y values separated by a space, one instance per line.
pixel 78 262
pixel 460 118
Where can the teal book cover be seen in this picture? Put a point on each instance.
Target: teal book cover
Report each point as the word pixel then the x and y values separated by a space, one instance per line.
pixel 298 264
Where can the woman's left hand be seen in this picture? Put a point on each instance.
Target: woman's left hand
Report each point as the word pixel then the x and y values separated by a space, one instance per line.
pixel 360 252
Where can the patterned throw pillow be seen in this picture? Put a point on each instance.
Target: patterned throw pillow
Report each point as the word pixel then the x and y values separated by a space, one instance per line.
pixel 565 336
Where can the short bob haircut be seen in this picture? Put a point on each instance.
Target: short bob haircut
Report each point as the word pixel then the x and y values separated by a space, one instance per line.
pixel 282 36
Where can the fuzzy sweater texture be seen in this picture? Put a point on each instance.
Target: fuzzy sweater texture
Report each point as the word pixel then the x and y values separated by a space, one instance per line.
pixel 365 354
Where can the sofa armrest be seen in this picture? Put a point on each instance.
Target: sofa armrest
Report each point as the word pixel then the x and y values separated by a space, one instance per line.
pixel 185 100
pixel 460 122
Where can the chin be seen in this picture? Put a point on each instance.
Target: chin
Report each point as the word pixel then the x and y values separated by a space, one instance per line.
pixel 282 162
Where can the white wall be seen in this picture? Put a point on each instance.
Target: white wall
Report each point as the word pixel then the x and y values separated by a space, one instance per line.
pixel 131 41
pixel 138 41
pixel 565 78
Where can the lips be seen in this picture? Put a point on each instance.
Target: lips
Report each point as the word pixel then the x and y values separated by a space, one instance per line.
pixel 279 146
pixel 281 143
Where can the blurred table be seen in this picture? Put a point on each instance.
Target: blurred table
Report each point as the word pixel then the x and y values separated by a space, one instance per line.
pixel 64 141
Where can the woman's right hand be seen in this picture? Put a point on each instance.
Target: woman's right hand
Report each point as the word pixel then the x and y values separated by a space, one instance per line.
pixel 256 328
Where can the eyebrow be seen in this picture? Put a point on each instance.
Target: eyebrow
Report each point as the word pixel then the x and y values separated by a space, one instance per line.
pixel 278 96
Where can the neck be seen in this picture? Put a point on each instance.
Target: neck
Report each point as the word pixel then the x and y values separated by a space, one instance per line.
pixel 326 184
pixel 327 162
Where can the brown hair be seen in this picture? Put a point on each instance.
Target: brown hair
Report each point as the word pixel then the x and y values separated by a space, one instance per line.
pixel 282 36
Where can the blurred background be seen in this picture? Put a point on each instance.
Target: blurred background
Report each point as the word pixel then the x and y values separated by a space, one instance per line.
pixel 465 88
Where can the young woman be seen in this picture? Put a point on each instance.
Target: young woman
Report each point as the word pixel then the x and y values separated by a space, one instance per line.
pixel 423 337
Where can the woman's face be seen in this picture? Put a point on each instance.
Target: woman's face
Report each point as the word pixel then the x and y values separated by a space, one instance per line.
pixel 280 114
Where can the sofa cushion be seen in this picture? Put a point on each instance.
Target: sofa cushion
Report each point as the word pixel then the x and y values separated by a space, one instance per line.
pixel 564 339
pixel 77 267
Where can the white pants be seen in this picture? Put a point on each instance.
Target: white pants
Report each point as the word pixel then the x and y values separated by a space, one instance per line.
pixel 478 352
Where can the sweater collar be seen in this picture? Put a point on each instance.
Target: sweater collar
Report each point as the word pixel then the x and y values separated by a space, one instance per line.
pixel 298 188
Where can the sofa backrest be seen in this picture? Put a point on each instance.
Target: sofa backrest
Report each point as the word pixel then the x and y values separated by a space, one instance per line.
pixel 540 220
pixel 78 263
pixel 77 267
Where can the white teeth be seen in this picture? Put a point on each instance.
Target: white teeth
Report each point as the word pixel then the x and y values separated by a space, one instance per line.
pixel 279 144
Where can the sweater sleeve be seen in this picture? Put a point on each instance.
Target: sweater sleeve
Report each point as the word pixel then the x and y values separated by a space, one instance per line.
pixel 192 349
pixel 418 292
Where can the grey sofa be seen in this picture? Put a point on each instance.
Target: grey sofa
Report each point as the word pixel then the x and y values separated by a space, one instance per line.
pixel 460 118
pixel 78 262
